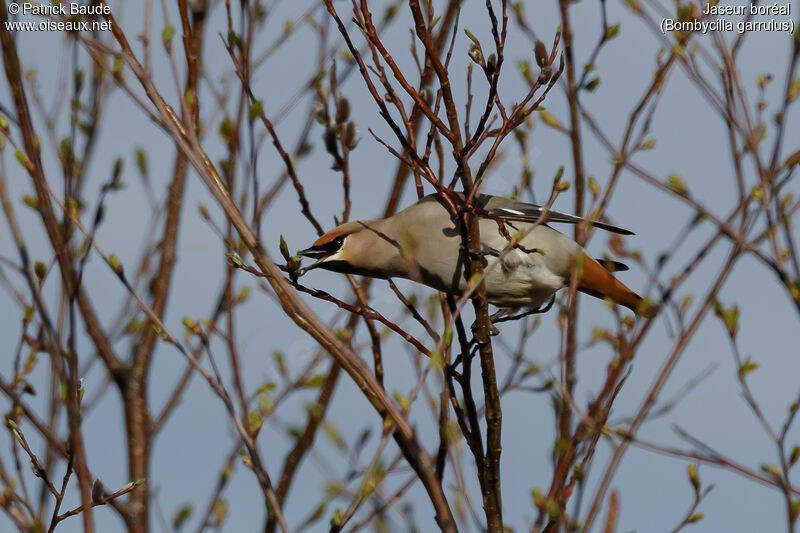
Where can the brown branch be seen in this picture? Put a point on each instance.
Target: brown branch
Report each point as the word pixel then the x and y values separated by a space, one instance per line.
pixel 104 500
pixel 289 299
pixel 315 417
pixel 34 164
pixel 655 389
pixel 305 208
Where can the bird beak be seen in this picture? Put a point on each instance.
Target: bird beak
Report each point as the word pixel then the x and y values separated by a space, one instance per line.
pixel 313 253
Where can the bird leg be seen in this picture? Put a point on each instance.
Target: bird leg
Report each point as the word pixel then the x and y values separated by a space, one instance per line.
pixel 503 315
pixel 493 331
pixel 479 255
pixel 535 311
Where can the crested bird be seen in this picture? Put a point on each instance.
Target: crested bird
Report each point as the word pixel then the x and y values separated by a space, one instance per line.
pixel 423 243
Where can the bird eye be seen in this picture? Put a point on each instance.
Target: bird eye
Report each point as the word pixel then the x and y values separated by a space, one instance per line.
pixel 331 246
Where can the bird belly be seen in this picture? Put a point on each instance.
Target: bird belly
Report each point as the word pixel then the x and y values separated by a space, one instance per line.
pixel 523 283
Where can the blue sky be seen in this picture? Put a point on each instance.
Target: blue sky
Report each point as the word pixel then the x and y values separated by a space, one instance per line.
pixel 690 140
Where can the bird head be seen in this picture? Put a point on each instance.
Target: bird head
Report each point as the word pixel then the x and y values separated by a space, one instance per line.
pixel 349 249
pixel 365 248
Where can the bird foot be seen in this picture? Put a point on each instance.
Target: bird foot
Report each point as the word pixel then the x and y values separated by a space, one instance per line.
pixel 493 331
pixel 505 315
pixel 482 255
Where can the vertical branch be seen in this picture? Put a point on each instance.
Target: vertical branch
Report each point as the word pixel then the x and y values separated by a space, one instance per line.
pixel 290 300
pixel 568 368
pixel 657 386
pixel 34 166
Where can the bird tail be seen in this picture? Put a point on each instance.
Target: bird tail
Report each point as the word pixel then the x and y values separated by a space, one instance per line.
pixel 595 280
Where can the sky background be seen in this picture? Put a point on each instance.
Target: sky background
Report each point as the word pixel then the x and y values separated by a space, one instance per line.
pixel 691 140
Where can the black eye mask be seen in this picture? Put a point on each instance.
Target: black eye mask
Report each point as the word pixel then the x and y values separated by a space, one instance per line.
pixel 322 251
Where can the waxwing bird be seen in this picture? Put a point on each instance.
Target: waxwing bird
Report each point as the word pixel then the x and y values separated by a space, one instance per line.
pixel 422 243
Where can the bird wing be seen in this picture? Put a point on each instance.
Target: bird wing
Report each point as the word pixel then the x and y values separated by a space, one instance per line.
pixel 523 212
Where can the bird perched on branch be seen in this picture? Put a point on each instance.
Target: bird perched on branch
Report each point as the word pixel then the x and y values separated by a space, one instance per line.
pixel 423 243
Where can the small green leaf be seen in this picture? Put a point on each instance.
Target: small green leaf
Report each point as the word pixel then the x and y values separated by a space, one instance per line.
pixel 693 477
pixel 538 496
pixel 648 144
pixel 40 269
pixel 280 362
pixel 676 184
pixel 113 260
pixel 592 84
pixel 181 516
pixel 284 248
pixel 560 447
pixel 160 332
pixel 256 109
pixel 168 33
pixel 242 294
pixel 401 400
pixel 316 381
pixel 794 455
pixel 553 509
pixel 190 324
pixel 226 130
pixel 72 208
pixel 141 161
pixel 447 339
pixel 530 370
pixel 549 119
pixel 437 359
pixel 730 317
pixel 695 518
pixel 747 367
pixel 190 97
pixel 254 421
pixel 116 68
pixel 22 158
pixel 220 511
pixel 525 69
pixel 31 202
pixel 794 90
pixel 30 363
pixel 332 434
pixel 234 260
pixel 593 186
